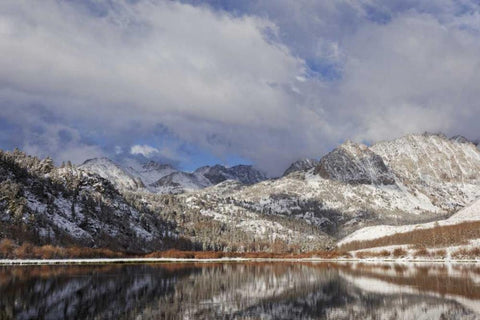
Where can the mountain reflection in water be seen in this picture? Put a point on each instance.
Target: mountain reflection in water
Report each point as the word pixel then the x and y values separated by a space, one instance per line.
pixel 241 291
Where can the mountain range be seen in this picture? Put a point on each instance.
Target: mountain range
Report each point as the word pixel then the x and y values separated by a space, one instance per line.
pixel 163 178
pixel 143 206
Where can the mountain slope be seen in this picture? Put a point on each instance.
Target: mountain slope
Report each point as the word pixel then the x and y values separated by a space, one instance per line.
pixel 470 213
pixel 209 217
pixel 68 206
pixel 431 159
pixel 179 182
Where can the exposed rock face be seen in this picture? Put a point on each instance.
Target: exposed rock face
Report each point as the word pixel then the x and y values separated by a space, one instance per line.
pixel 242 173
pixel 355 163
pixel 431 159
pixel 301 165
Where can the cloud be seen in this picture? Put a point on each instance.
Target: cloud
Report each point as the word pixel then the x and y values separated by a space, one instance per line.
pixel 269 81
pixel 144 150
pixel 63 142
pixel 411 75
pixel 148 63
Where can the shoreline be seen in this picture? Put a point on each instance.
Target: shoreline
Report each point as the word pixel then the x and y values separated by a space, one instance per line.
pixel 98 261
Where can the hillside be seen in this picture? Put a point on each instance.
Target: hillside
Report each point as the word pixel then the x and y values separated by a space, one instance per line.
pixel 468 214
pixel 45 204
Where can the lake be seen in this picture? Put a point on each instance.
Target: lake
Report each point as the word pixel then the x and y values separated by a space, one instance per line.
pixel 241 291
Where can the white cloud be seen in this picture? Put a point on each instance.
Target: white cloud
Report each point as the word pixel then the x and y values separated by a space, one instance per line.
pixel 144 150
pixel 411 75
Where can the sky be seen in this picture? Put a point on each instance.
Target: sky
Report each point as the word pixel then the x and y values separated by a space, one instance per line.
pixel 260 82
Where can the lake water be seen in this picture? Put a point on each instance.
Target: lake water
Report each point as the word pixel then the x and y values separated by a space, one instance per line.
pixel 241 291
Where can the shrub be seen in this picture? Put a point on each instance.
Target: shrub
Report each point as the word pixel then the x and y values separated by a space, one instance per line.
pixel 25 251
pixel 422 252
pixel 6 248
pixel 384 253
pixel 439 254
pixel 399 252
pixel 473 253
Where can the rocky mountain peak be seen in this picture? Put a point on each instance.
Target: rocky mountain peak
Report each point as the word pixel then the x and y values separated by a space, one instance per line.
pixel 460 139
pixel 179 182
pixel 245 174
pixel 301 165
pixel 153 165
pixel 356 164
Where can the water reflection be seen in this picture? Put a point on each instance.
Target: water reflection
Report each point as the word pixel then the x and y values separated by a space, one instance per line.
pixel 241 291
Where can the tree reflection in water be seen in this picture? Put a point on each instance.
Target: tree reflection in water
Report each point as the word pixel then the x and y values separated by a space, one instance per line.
pixel 240 291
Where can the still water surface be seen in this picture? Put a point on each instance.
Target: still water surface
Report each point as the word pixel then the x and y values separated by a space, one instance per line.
pixel 241 291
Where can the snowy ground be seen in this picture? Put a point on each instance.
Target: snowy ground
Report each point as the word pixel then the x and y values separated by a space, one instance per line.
pixel 470 213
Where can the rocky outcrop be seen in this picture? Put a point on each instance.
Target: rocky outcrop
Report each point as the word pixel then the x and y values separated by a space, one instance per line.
pixel 356 164
pixel 243 173
pixel 301 165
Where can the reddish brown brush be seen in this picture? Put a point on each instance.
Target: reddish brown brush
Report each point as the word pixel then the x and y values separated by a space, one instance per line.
pixel 438 236
pixel 473 253
pixel 9 250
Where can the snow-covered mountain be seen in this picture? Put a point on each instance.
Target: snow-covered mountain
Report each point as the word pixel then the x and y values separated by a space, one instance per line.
pixel 301 165
pixel 179 182
pixel 148 172
pixel 150 176
pixel 45 204
pixel 412 179
pixel 113 172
